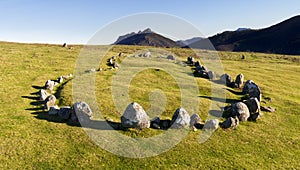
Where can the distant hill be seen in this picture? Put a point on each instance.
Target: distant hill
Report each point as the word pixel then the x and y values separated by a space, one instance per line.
pixel 282 38
pixel 146 38
pixel 183 43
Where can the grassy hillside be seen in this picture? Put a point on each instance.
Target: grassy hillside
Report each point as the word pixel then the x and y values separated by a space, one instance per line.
pixel 30 139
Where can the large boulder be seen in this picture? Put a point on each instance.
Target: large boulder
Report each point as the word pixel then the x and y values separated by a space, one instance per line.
pixel 195 119
pixel 253 105
pixel 135 117
pixel 211 124
pixel 49 85
pixel 65 112
pixel 239 80
pixel 43 94
pixel 82 112
pixel 180 119
pixel 252 89
pixel 226 79
pixel 240 110
pixel 231 122
pixel 49 101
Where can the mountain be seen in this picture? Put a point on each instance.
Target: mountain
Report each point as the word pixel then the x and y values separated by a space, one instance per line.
pixel 242 29
pixel 122 37
pixel 183 43
pixel 282 38
pixel 146 38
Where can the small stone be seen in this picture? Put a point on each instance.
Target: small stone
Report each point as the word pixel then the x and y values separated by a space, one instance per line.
pixel 239 80
pixel 135 117
pixel 231 122
pixel 180 119
pixel 49 101
pixel 43 94
pixel 211 124
pixel 171 57
pixel 195 119
pixel 240 110
pixel 49 85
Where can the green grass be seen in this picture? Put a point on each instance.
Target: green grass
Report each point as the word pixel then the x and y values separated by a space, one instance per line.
pixel 30 139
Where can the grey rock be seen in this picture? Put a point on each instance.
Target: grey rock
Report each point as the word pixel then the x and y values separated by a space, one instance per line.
pixel 171 57
pixel 82 111
pixel 240 110
pixel 65 112
pixel 247 86
pixel 53 110
pixel 211 75
pixel 147 54
pixel 135 117
pixel 180 119
pixel 195 119
pixel 49 85
pixel 211 124
pixel 231 122
pixel 49 101
pixel 253 105
pixel 43 94
pixel 239 80
pixel 252 89
pixel 226 79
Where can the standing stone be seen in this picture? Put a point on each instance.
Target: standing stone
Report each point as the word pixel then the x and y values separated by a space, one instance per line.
pixel 226 79
pixel 53 110
pixel 171 57
pixel 239 80
pixel 65 112
pixel 121 54
pixel 180 119
pixel 49 101
pixel 82 112
pixel 211 124
pixel 231 122
pixel 211 75
pixel 195 119
pixel 240 110
pixel 135 117
pixel 247 86
pixel 43 94
pixel 49 85
pixel 253 105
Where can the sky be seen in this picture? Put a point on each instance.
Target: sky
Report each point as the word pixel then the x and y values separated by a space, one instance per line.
pixel 78 21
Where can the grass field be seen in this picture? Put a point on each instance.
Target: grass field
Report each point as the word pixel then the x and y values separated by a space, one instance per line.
pixel 30 139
